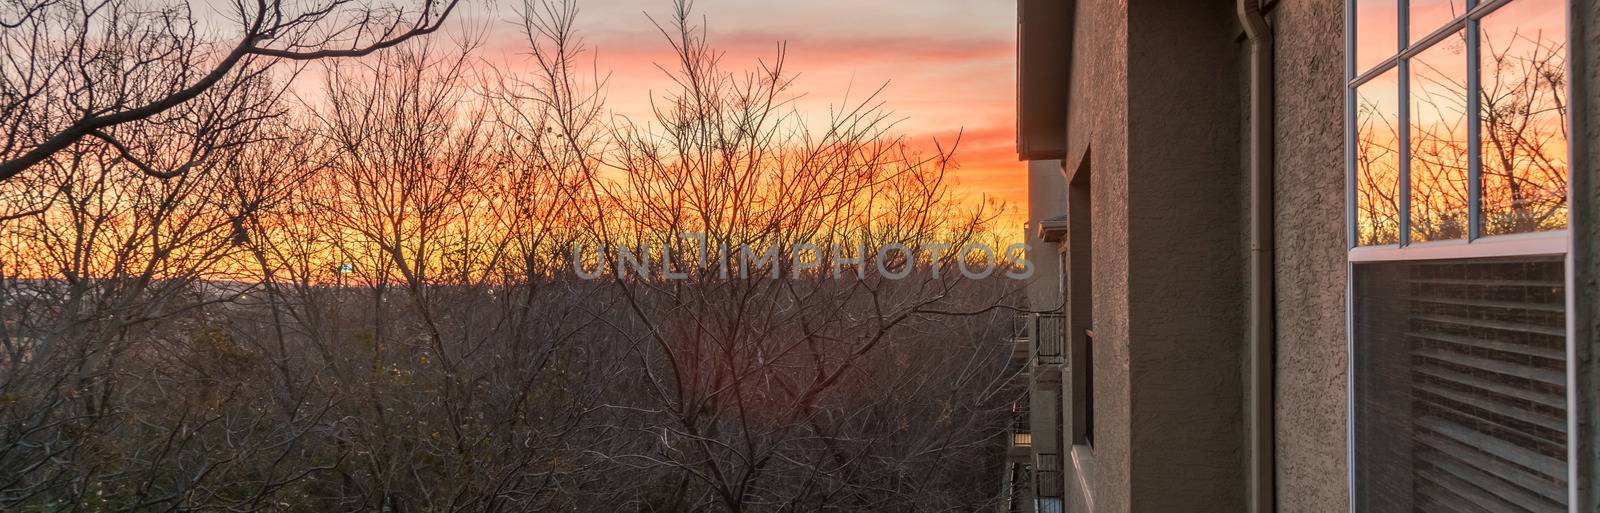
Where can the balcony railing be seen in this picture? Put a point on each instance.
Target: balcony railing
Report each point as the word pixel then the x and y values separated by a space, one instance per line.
pixel 1020 439
pixel 1021 434
pixel 1021 347
pixel 1047 475
pixel 1046 332
pixel 1019 478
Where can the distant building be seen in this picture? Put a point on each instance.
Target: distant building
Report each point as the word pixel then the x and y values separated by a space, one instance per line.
pixel 1310 256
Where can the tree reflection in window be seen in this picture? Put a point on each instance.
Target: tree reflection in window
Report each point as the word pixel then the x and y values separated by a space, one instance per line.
pixel 1438 141
pixel 1511 176
pixel 1523 113
pixel 1378 161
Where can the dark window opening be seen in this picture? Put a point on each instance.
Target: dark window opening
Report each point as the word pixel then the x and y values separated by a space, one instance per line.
pixel 1080 302
pixel 1088 388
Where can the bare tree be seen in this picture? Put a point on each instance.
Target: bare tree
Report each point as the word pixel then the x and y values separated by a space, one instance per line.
pixel 128 389
pixel 79 69
pixel 366 300
pixel 756 390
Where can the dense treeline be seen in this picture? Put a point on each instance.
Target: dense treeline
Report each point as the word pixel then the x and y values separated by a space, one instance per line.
pixel 362 298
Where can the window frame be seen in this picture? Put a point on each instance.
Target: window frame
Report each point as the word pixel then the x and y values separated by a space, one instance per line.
pixel 1475 245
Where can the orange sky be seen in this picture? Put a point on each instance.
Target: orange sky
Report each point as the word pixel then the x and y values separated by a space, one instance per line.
pixel 949 66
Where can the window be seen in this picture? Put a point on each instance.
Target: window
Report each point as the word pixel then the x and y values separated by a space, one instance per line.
pixel 1460 133
pixel 1080 304
pixel 1087 436
pixel 1457 200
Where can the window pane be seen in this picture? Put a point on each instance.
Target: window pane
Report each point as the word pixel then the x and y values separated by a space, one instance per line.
pixel 1378 161
pixel 1459 373
pixel 1428 16
pixel 1377 32
pixel 1439 141
pixel 1523 62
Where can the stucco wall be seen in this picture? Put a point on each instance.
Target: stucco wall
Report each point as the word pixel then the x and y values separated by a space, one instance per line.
pixel 1159 128
pixel 1097 132
pixel 1047 198
pixel 1186 285
pixel 1311 270
pixel 1154 106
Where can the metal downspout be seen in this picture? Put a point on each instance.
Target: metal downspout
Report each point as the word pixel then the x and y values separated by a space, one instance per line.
pixel 1584 450
pixel 1259 408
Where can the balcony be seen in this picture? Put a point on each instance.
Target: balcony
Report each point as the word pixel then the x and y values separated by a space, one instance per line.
pixel 1020 445
pixel 1047 349
pixel 1019 476
pixel 1047 483
pixel 1021 348
pixel 1047 475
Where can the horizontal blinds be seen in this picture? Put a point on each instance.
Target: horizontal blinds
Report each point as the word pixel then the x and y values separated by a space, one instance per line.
pixel 1487 343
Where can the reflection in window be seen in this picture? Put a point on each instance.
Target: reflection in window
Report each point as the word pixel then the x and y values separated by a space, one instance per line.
pixel 1523 116
pixel 1378 161
pixel 1377 32
pixel 1428 16
pixel 1438 140
pixel 1458 366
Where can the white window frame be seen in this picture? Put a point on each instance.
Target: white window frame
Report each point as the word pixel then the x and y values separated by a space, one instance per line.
pixel 1546 243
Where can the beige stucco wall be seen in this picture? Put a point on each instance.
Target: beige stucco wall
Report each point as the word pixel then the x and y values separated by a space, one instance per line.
pixel 1157 127
pixel 1311 347
pixel 1186 259
pixel 1097 140
pixel 1047 198
pixel 1154 115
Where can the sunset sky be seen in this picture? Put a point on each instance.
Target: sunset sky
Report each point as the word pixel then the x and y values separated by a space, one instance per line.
pixel 949 66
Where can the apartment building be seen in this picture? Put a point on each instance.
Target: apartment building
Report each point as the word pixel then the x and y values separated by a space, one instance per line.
pixel 1310 256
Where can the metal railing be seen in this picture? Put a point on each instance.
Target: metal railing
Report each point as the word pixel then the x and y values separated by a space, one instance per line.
pixel 1048 346
pixel 1047 475
pixel 1021 433
pixel 1020 479
pixel 1021 347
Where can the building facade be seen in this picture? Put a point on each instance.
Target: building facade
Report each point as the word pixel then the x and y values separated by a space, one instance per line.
pixel 1311 255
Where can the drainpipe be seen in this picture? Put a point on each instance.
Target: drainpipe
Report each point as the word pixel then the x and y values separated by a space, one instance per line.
pixel 1581 260
pixel 1259 405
